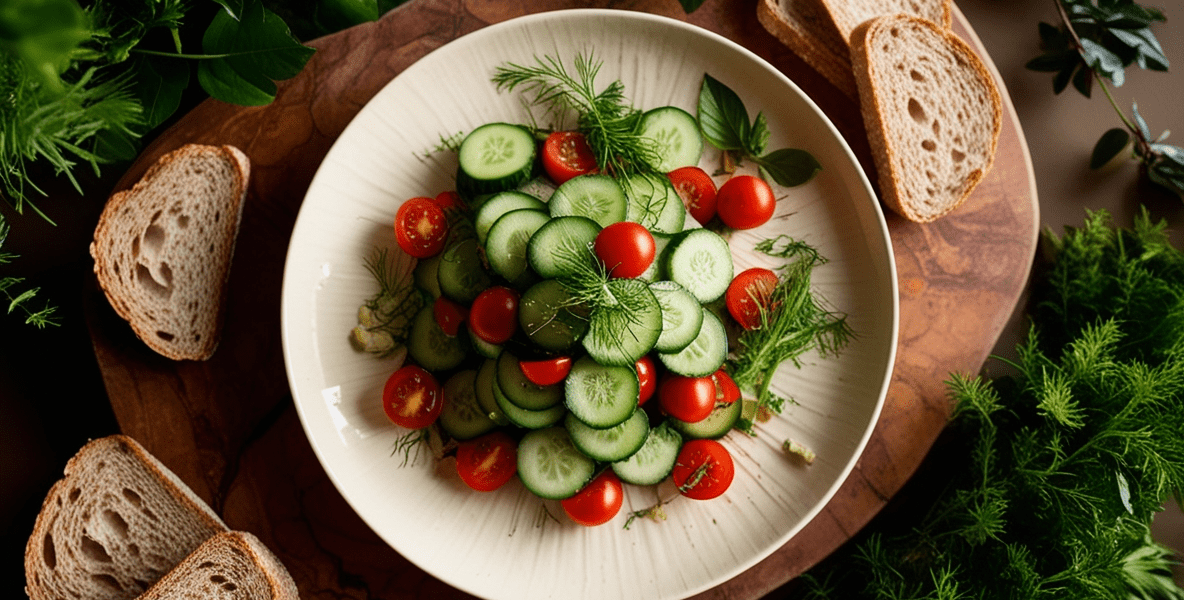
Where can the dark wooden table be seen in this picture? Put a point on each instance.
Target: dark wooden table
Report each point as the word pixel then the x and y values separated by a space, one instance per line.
pixel 228 427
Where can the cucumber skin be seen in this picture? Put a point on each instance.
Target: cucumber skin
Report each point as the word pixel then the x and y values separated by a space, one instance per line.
pixel 470 187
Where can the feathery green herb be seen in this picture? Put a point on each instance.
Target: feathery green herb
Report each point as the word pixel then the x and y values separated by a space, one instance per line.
pixel 385 319
pixel 20 300
pixel 1052 475
pixel 610 124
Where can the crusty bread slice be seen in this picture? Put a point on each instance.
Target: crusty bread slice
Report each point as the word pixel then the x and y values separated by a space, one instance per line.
pixel 932 111
pixel 807 31
pixel 850 14
pixel 115 524
pixel 163 248
pixel 229 566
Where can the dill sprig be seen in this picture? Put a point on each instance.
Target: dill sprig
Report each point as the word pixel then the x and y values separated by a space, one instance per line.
pixel 610 124
pixel 39 318
pixel 1049 477
pixel 793 322
pixel 384 320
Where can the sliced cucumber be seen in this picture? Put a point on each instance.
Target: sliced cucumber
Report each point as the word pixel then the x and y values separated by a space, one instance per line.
pixel 601 396
pixel 539 187
pixel 612 444
pixel 654 461
pixel 597 197
pixel 654 203
pixel 519 390
pixel 505 245
pixel 529 419
pixel 682 316
pixel 483 348
pixel 460 275
pixel 700 261
pixel 551 466
pixel 717 424
pixel 494 158
pixel 563 246
pixel 427 275
pixel 551 316
pixel 675 134
pixel 499 204
pixel 622 333
pixel 705 354
pixel 431 348
pixel 462 416
pixel 657 269
pixel 483 384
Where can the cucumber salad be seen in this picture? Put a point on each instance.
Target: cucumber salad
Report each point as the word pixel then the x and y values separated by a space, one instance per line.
pixel 574 317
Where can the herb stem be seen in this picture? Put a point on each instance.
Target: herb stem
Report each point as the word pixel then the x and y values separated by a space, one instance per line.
pixel 181 55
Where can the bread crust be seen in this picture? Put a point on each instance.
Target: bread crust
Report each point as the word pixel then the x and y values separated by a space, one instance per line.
pixel 105 249
pixel 884 146
pixel 215 555
pixel 40 577
pixel 800 25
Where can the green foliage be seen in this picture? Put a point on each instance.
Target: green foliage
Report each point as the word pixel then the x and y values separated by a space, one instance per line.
pixel 245 52
pixel 723 120
pixel 18 300
pixel 1058 469
pixel 1102 40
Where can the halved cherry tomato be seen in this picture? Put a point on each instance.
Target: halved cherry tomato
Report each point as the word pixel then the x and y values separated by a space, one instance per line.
pixel 412 398
pixel 598 502
pixel 547 371
pixel 726 390
pixel 647 378
pixel 703 470
pixel 449 315
pixel 626 248
pixel 688 399
pixel 566 154
pixel 697 191
pixel 748 294
pixel 493 316
pixel 744 202
pixel 421 227
pixel 487 462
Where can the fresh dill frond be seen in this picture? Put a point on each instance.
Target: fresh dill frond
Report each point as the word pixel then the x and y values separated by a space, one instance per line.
pixel 612 126
pixel 384 321
pixel 40 318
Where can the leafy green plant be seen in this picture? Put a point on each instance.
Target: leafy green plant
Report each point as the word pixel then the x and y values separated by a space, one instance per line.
pixel 1051 476
pixel 1097 40
pixel 18 300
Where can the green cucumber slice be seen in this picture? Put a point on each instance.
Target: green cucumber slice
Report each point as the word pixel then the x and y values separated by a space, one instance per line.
pixel 601 396
pixel 462 416
pixel 676 137
pixel 551 466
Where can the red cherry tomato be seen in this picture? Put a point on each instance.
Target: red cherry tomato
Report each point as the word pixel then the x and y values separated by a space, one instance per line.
pixel 421 227
pixel 598 502
pixel 546 372
pixel 647 378
pixel 726 390
pixel 493 316
pixel 566 154
pixel 697 191
pixel 703 470
pixel 748 294
pixel 688 399
pixel 412 398
pixel 488 462
pixel 744 202
pixel 449 200
pixel 626 248
pixel 449 315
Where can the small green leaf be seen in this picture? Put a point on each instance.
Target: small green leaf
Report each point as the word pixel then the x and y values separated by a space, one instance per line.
pixel 1111 143
pixel 1053 61
pixel 1062 79
pixel 254 52
pixel 790 167
pixel 1149 53
pixel 1103 61
pixel 1168 178
pixel 722 116
pixel 1144 132
pixel 1124 493
pixel 1172 153
pixel 690 6
pixel 159 83
pixel 758 136
pixel 235 8
pixel 1083 81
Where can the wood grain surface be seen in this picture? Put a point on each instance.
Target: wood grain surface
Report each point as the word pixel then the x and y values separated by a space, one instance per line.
pixel 228 427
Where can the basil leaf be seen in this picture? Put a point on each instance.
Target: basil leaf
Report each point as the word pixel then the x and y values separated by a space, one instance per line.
pixel 758 136
pixel 159 84
pixel 722 116
pixel 253 53
pixel 1109 145
pixel 789 167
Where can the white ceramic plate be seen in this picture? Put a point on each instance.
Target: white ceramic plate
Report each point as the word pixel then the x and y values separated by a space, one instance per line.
pixel 495 545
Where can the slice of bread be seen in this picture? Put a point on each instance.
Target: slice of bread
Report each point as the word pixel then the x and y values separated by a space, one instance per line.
pixel 163 248
pixel 229 566
pixel 850 14
pixel 806 30
pixel 116 523
pixel 932 111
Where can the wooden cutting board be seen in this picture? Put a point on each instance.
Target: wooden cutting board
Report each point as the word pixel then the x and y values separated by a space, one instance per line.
pixel 228 427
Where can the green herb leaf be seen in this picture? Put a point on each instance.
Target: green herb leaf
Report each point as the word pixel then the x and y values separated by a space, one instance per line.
pixel 1111 143
pixel 722 116
pixel 1144 131
pixel 1149 53
pixel 159 85
pixel 1103 61
pixel 253 53
pixel 690 6
pixel 790 166
pixel 44 34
